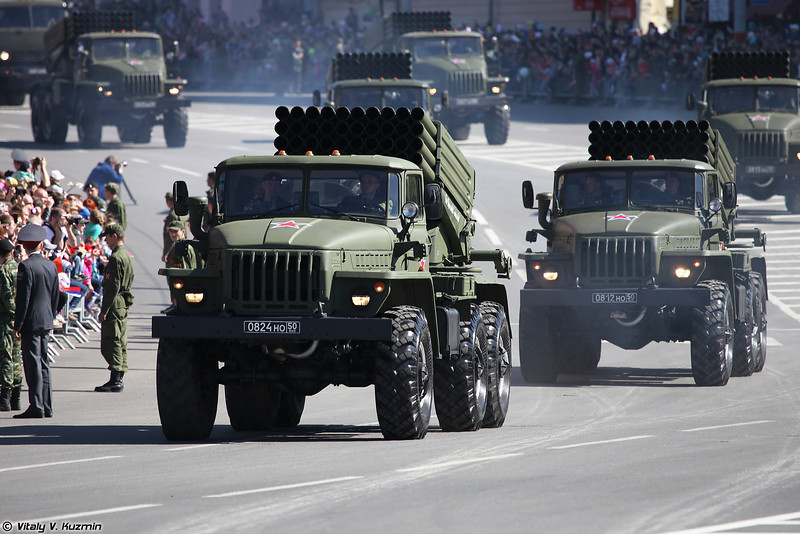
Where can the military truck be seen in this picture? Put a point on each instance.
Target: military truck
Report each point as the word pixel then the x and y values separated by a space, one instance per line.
pixel 752 99
pixel 452 61
pixel 641 247
pixel 101 71
pixel 325 267
pixel 22 52
pixel 377 80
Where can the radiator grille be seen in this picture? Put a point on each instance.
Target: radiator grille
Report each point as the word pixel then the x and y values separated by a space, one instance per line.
pixel 616 261
pixel 274 279
pixel 138 85
pixel 466 83
pixel 761 145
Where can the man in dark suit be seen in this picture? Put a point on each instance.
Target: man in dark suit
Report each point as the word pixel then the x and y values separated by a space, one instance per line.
pixel 36 307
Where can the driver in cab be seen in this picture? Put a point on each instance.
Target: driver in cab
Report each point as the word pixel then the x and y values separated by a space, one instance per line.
pixel 369 200
pixel 268 197
pixel 591 193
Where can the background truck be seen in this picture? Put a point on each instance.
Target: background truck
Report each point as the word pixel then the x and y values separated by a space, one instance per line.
pixel 336 285
pixel 22 52
pixel 101 71
pixel 752 99
pixel 642 250
pixel 377 80
pixel 452 61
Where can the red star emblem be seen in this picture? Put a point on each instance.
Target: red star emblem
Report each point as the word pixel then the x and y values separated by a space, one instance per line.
pixel 754 118
pixel 289 224
pixel 621 217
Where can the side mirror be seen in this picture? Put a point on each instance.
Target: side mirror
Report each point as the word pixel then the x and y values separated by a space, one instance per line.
pixel 527 194
pixel 544 200
pixel 445 98
pixel 729 195
pixel 316 99
pixel 180 196
pixel 433 202
pixel 691 102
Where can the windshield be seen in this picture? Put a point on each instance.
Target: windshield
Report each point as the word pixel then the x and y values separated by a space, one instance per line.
pixel 764 98
pixel 131 48
pixel 442 46
pixel 247 193
pixel 608 190
pixel 16 17
pixel 380 97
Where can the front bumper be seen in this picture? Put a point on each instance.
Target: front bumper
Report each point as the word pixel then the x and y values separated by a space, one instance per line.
pixel 272 328
pixel 610 298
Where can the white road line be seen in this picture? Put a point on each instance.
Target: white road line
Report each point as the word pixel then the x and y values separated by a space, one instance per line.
pixel 783 307
pixel 93 512
pixel 65 462
pixel 737 525
pixel 493 237
pixel 139 160
pixel 188 447
pixel 772 342
pixel 589 443
pixel 732 425
pixel 178 169
pixel 279 488
pixel 454 463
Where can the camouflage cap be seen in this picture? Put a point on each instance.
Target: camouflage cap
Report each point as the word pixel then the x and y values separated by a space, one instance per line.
pixel 176 225
pixel 113 187
pixel 113 228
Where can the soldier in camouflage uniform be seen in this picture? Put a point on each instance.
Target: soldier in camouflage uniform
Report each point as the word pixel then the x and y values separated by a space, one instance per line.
pixel 117 299
pixel 116 209
pixel 182 255
pixel 10 348
pixel 169 219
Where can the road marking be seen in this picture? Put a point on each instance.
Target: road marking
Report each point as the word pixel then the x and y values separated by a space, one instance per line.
pixel 495 239
pixel 454 463
pixel 772 342
pixel 188 447
pixel 589 443
pixel 774 520
pixel 93 512
pixel 65 462
pixel 180 170
pixel 702 428
pixel 140 160
pixel 279 488
pixel 521 273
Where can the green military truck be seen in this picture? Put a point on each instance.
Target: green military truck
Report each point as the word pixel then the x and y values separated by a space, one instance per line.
pixel 335 268
pixel 752 99
pixel 101 71
pixel 452 61
pixel 377 80
pixel 641 247
pixel 22 52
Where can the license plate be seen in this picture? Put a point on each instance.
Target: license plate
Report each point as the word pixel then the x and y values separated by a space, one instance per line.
pixel 466 101
pixel 272 327
pixel 602 297
pixel 37 70
pixel 759 169
pixel 144 104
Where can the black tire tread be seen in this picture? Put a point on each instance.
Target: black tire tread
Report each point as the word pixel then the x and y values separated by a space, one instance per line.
pixel 497 125
pixel 498 333
pixel 710 332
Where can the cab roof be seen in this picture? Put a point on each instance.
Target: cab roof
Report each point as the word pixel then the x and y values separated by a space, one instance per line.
pixel 754 82
pixel 378 82
pixel 599 165
pixel 327 161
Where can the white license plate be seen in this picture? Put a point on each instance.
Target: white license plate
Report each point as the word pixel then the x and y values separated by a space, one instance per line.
pixel 272 327
pixel 37 70
pixel 605 297
pixel 466 101
pixel 759 169
pixel 144 104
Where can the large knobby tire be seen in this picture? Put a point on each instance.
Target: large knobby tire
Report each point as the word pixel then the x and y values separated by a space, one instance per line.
pixel 460 386
pixel 37 100
pixel 290 409
pixel 498 357
pixel 792 199
pixel 252 406
pixel 576 352
pixel 497 124
pixel 403 385
pixel 186 390
pixel 54 121
pixel 537 358
pixel 760 319
pixel 744 337
pixel 712 337
pixel 176 127
pixel 459 131
pixel 90 127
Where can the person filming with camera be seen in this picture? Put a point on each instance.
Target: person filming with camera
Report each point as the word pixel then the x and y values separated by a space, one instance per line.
pixel 107 171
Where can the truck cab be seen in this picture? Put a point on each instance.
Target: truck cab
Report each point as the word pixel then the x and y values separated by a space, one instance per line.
pixel 380 93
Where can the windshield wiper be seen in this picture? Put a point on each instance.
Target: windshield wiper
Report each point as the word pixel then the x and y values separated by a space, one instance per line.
pixel 337 212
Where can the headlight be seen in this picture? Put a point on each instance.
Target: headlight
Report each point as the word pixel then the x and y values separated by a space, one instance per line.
pixel 174 91
pixel 496 89
pixel 195 297
pixel 550 275
pixel 360 300
pixel 4 56
pixel 432 91
pixel 683 272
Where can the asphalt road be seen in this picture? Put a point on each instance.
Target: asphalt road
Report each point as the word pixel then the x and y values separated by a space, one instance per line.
pixel 632 448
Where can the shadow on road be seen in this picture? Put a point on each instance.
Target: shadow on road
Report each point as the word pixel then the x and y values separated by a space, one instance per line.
pixel 617 376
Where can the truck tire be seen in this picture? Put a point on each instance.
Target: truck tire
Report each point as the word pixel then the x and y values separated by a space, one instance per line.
pixel 36 117
pixel 252 406
pixel 54 121
pixel 576 353
pixel 760 319
pixel 186 390
pixel 497 124
pixel 290 409
pixel 537 358
pixel 792 199
pixel 90 128
pixel 176 127
pixel 460 386
pixel 498 357
pixel 459 131
pixel 403 385
pixel 745 335
pixel 712 337
pixel 16 99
